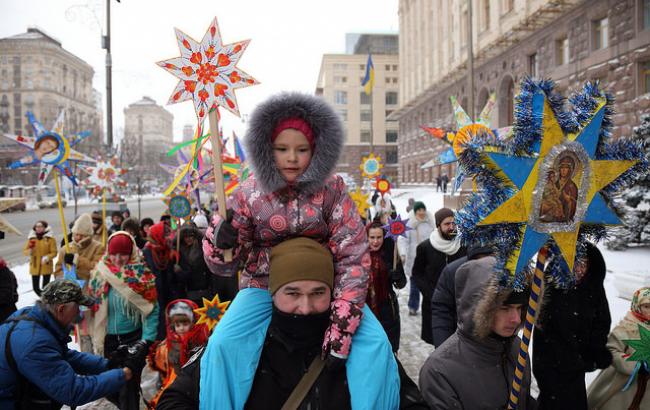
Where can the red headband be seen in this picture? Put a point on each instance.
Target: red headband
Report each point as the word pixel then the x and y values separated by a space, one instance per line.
pixel 295 123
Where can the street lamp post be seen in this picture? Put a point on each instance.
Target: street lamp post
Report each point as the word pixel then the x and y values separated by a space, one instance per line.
pixel 109 77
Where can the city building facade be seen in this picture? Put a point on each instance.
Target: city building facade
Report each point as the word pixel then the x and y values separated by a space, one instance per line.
pixel 364 116
pixel 571 42
pixel 148 135
pixel 37 74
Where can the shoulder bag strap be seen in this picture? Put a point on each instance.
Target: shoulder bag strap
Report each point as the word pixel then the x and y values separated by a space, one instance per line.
pixel 302 388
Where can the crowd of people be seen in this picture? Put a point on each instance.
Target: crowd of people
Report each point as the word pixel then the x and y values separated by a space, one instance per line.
pixel 314 320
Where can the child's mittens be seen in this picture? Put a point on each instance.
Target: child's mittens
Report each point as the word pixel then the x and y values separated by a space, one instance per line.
pixel 344 321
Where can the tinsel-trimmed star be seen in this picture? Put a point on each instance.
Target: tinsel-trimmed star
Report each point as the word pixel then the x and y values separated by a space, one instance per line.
pixel 554 191
pixel 208 72
pixel 211 312
pixel 641 346
pixel 50 149
pixel 105 175
pixel 361 201
pixel 382 185
pixel 396 227
pixel 371 166
pixel 179 205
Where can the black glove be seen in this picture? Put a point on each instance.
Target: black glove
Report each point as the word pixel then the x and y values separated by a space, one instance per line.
pixel 68 258
pixel 117 358
pixel 397 278
pixel 137 355
pixel 226 237
pixel 333 363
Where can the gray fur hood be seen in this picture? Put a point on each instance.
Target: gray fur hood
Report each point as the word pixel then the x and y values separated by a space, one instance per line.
pixel 328 133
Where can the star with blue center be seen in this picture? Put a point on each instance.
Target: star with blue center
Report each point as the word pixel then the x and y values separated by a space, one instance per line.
pixel 546 205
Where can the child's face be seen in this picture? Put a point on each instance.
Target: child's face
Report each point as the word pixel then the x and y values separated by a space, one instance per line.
pixel 292 154
pixel 645 309
pixel 182 326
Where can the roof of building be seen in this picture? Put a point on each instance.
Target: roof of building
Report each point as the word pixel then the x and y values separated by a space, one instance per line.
pixel 34 33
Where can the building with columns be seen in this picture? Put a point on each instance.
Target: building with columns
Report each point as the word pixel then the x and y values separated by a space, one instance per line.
pixel 570 41
pixel 37 74
pixel 364 116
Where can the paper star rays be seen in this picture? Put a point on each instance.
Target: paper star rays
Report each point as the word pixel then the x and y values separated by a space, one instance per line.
pixel 208 72
pixel 371 166
pixel 50 149
pixel 211 312
pixel 554 193
pixel 105 175
pixel 361 201
pixel 396 227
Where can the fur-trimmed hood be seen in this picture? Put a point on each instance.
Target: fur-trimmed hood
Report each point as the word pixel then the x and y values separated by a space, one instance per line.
pixel 478 296
pixel 47 233
pixel 328 133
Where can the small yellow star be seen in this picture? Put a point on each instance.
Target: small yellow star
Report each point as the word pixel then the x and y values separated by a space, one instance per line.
pixel 211 312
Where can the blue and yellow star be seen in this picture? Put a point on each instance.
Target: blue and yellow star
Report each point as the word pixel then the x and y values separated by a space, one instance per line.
pixel 211 312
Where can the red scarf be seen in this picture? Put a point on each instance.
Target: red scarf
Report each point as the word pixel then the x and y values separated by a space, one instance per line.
pixel 157 243
pixel 377 282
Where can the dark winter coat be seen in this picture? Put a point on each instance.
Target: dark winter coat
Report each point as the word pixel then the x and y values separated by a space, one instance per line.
pixel 8 291
pixel 166 289
pixel 388 312
pixel 42 357
pixel 283 356
pixel 474 368
pixel 571 338
pixel 427 267
pixel 193 277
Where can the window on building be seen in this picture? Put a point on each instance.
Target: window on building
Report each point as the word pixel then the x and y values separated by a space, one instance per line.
pixel 387 67
pixel 600 33
pixel 463 30
pixel 340 66
pixel 340 97
pixel 364 98
pixel 533 65
pixel 365 136
pixel 362 67
pixel 562 51
pixel 391 136
pixel 343 114
pixel 388 112
pixel 645 10
pixel 644 71
pixel 387 80
pixel 338 79
pixel 391 155
pixel 394 80
pixel 394 67
pixel 507 6
pixel 366 115
pixel 391 98
pixel 485 15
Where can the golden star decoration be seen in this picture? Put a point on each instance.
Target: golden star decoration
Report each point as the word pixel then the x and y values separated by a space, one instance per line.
pixel 371 166
pixel 361 201
pixel 211 312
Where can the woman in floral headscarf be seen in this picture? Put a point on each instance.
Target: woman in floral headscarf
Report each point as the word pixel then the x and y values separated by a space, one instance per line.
pixel 126 311
pixel 606 392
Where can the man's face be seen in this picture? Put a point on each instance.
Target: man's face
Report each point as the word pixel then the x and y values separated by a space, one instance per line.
pixel 421 214
pixel 189 240
pixel 117 220
pixel 77 237
pixel 67 313
pixel 448 227
pixel 375 238
pixel 303 297
pixel 506 320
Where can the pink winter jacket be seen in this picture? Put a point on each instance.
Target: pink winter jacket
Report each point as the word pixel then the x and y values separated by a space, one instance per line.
pixel 328 216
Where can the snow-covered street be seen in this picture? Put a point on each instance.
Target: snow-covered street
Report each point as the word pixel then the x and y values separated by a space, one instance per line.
pixel 413 352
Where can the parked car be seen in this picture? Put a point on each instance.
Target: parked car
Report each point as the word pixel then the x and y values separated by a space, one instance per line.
pixel 49 201
pixel 12 204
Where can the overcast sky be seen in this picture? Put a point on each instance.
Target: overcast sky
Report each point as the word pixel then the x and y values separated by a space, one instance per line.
pixel 288 38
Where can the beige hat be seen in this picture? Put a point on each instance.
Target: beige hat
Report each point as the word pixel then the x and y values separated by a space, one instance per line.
pixel 300 259
pixel 83 225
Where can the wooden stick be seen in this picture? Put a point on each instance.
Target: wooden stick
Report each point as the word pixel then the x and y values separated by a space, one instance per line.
pixel 61 214
pixel 104 217
pixel 395 254
pixel 217 168
pixel 641 384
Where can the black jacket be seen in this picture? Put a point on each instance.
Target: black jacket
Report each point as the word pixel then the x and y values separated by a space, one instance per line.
pixel 8 292
pixel 193 277
pixel 282 355
pixel 571 338
pixel 427 267
pixel 443 304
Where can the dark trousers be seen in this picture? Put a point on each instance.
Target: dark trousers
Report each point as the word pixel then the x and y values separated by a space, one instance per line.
pixel 225 286
pixel 36 279
pixel 128 398
pixel 561 391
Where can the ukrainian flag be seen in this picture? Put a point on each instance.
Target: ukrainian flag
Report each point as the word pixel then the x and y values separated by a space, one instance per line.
pixel 369 80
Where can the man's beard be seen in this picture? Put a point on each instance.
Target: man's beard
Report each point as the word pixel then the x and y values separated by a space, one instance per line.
pixel 448 236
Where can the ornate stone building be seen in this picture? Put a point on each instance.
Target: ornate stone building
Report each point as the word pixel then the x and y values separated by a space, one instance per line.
pixel 570 41
pixel 364 116
pixel 37 74
pixel 148 135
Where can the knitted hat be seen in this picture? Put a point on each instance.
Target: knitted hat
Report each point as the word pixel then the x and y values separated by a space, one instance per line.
pixel 419 205
pixel 297 124
pixel 181 308
pixel 201 221
pixel 443 213
pixel 97 217
pixel 83 225
pixel 120 244
pixel 300 259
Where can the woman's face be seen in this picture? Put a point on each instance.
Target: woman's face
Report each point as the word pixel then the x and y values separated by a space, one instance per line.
pixel 292 154
pixel 375 238
pixel 39 228
pixel 119 259
pixel 645 309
